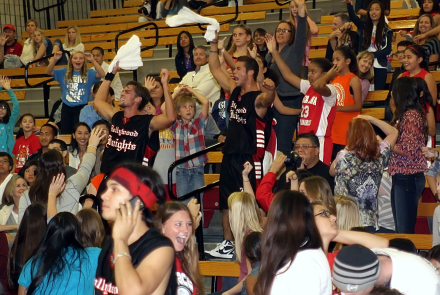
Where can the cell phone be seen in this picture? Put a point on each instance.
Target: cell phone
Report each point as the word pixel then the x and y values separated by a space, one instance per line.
pixel 133 203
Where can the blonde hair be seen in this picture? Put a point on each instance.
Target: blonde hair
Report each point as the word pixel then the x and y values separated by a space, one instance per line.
pixel 244 217
pixel 33 38
pixel 8 193
pixel 69 74
pixel 182 99
pixel 348 215
pixel 370 74
pixel 77 39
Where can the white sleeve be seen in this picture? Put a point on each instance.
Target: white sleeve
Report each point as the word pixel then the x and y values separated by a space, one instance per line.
pixel 80 47
pixel 331 100
pixel 436 227
pixel 304 86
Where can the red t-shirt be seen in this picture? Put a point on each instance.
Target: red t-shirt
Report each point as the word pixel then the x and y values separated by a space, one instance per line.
pixel 184 284
pixel 25 147
pixel 15 49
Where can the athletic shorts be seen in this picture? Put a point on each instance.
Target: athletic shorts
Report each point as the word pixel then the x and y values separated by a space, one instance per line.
pixel 231 179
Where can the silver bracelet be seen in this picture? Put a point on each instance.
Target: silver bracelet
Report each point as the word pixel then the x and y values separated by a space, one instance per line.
pixel 122 254
pixel 90 145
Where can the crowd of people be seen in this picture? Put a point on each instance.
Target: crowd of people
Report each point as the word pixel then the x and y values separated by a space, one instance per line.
pixel 298 216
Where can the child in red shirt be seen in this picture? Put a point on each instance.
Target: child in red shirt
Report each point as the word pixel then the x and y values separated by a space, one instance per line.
pixel 27 143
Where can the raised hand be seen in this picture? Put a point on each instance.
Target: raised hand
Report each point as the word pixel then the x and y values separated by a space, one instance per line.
pixel 57 186
pixel 221 43
pixel 271 44
pixel 5 82
pixel 348 2
pixel 89 57
pixel 57 55
pixel 253 51
pixel 95 136
pixel 403 33
pixel 269 84
pixel 116 68
pixel 334 71
pixel 247 168
pixel 164 76
pixel 150 83
pixel 278 163
pixel 3 39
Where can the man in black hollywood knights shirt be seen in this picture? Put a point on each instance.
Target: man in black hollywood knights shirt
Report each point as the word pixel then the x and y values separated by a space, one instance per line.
pixel 247 108
pixel 130 130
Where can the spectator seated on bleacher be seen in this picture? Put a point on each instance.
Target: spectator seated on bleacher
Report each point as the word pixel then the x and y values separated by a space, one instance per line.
pixel 72 41
pixel 6 165
pixel 27 54
pixel 151 10
pixel 201 80
pixel 10 49
pixel 47 133
pixel 43 47
pixel 338 21
pixel 184 59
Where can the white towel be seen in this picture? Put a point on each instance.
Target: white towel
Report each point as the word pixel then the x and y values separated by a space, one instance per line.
pixel 129 55
pixel 186 16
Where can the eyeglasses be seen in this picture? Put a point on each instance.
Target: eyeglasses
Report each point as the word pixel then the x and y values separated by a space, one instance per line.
pixel 324 213
pixel 304 147
pixel 283 31
pixel 4 161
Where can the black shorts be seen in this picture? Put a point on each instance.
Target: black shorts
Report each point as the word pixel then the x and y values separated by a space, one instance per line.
pixel 231 179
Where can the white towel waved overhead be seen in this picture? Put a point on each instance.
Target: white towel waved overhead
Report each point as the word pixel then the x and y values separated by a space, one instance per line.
pixel 129 55
pixel 186 16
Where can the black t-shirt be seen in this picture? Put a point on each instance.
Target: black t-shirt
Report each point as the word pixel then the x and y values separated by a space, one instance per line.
pixel 320 169
pixel 128 142
pixel 241 137
pixel 323 170
pixel 150 241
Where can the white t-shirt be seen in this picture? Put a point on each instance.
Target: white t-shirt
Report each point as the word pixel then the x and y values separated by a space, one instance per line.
pixel 308 274
pixel 412 275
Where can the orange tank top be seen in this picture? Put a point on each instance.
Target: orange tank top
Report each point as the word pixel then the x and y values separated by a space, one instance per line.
pixel 342 119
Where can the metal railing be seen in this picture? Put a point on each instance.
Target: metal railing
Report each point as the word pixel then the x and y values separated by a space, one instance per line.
pixel 223 22
pixel 156 28
pixel 59 5
pixel 197 193
pixel 46 88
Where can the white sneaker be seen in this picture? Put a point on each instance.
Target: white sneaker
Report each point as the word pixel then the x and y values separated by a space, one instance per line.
pixel 223 250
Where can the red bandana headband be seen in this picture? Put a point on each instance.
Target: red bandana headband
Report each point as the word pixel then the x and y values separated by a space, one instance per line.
pixel 131 182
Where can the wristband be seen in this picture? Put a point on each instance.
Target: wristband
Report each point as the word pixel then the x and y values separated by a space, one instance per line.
pixel 109 76
pixel 213 51
pixel 214 42
pixel 90 145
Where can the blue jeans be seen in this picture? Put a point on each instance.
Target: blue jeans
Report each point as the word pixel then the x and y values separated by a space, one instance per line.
pixel 189 179
pixel 405 195
pixel 286 125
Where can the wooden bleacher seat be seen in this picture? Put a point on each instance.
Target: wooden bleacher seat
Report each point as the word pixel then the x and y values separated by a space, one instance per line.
pixel 426 209
pixel 19 94
pixel 40 121
pixel 422 242
pixel 219 269
pixel 132 3
pixel 131 20
pixel 394 14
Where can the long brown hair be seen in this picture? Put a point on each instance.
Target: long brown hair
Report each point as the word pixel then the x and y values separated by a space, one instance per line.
pixel 433 25
pixel 189 256
pixel 92 230
pixel 290 228
pixel 361 140
pixel 292 29
pixel 319 189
